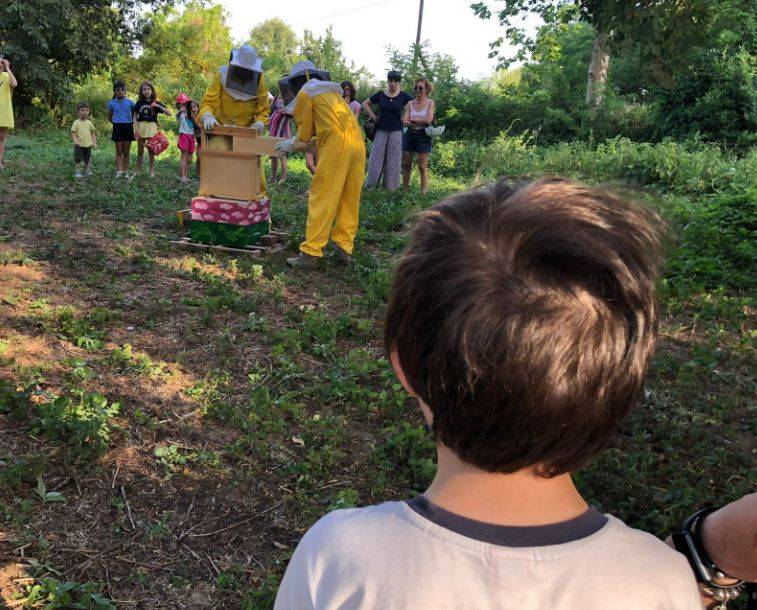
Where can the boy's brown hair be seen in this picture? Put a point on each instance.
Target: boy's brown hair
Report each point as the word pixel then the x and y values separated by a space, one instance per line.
pixel 525 317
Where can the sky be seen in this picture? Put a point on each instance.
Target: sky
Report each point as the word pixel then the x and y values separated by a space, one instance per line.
pixel 366 27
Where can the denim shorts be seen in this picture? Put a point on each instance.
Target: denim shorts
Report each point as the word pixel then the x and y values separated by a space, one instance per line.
pixel 416 140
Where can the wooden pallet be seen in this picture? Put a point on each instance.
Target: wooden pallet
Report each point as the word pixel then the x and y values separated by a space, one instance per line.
pixel 273 242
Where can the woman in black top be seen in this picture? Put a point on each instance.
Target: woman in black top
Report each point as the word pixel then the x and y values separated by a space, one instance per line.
pixel 386 152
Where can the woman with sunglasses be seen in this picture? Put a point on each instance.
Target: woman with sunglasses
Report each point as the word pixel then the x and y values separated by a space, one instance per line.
pixel 419 114
pixel 386 152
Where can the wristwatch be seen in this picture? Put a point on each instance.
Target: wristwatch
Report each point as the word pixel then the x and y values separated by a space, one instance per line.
pixel 689 542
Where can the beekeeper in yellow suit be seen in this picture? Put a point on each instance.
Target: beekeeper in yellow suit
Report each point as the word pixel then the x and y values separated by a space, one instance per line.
pixel 320 111
pixel 238 95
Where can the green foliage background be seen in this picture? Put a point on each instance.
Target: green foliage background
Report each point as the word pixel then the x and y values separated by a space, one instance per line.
pixel 319 403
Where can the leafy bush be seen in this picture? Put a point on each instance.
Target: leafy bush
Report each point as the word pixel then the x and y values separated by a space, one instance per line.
pixel 59 595
pixel 456 157
pixel 711 196
pixel 82 422
pixel 716 98
pixel 408 454
pixel 716 243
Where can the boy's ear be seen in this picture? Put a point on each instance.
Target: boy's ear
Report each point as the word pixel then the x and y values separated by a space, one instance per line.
pixel 394 358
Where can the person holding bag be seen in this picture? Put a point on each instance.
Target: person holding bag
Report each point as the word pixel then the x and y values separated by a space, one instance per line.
pixel 145 113
pixel 419 114
pixel 386 153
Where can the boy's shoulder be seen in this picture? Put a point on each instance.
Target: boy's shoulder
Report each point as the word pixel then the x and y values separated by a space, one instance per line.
pixel 393 527
pixel 360 551
pixel 338 530
pixel 384 522
pixel 647 549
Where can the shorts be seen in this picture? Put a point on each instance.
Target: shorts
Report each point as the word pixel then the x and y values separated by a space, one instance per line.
pixel 187 142
pixel 416 140
pixel 123 132
pixel 82 154
pixel 147 129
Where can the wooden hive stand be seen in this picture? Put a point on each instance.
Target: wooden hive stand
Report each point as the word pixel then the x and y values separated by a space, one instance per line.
pixel 275 241
pixel 231 169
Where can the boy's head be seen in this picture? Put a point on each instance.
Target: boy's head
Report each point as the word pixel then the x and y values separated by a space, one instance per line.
pixel 119 89
pixel 525 318
pixel 82 108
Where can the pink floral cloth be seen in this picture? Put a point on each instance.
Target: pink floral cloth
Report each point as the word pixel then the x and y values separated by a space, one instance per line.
pixel 229 211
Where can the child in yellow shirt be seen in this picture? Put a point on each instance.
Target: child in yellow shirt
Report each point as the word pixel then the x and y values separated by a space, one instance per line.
pixel 85 139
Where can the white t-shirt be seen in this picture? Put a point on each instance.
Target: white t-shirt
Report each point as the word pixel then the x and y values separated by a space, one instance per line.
pixel 396 556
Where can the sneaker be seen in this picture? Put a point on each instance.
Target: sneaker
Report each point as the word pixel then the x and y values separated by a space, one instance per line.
pixel 303 261
pixel 88 172
pixel 78 175
pixel 119 174
pixel 341 255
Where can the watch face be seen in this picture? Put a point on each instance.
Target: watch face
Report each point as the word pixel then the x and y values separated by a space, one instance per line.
pixel 684 544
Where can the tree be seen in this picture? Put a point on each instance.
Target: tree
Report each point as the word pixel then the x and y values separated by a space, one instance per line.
pixel 182 50
pixel 661 31
pixel 438 68
pixel 54 44
pixel 276 43
pixel 326 53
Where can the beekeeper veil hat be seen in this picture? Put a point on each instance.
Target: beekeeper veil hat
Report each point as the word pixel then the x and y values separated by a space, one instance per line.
pixel 301 73
pixel 241 76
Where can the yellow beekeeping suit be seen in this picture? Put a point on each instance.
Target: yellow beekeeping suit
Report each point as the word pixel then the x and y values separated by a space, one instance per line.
pixel 229 111
pixel 334 200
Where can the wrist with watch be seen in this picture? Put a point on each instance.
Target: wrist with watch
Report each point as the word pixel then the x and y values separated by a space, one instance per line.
pixel 688 541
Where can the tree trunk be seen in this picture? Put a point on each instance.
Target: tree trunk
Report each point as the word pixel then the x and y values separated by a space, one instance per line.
pixel 598 68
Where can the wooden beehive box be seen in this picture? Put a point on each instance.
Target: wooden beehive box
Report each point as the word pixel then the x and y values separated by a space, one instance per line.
pixel 230 162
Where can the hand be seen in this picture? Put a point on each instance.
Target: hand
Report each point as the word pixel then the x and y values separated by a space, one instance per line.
pixel 94 144
pixel 286 147
pixel 374 118
pixel 258 126
pixel 209 121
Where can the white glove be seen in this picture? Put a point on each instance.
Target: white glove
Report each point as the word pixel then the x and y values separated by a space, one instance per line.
pixel 208 120
pixel 286 147
pixel 260 127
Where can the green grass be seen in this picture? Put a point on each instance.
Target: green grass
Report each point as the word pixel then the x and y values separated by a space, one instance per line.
pixel 168 396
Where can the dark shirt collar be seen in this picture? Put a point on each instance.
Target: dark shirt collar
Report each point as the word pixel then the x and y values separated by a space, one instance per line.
pixel 582 526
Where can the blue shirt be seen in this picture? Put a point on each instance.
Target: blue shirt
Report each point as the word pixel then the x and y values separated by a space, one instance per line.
pixel 121 109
